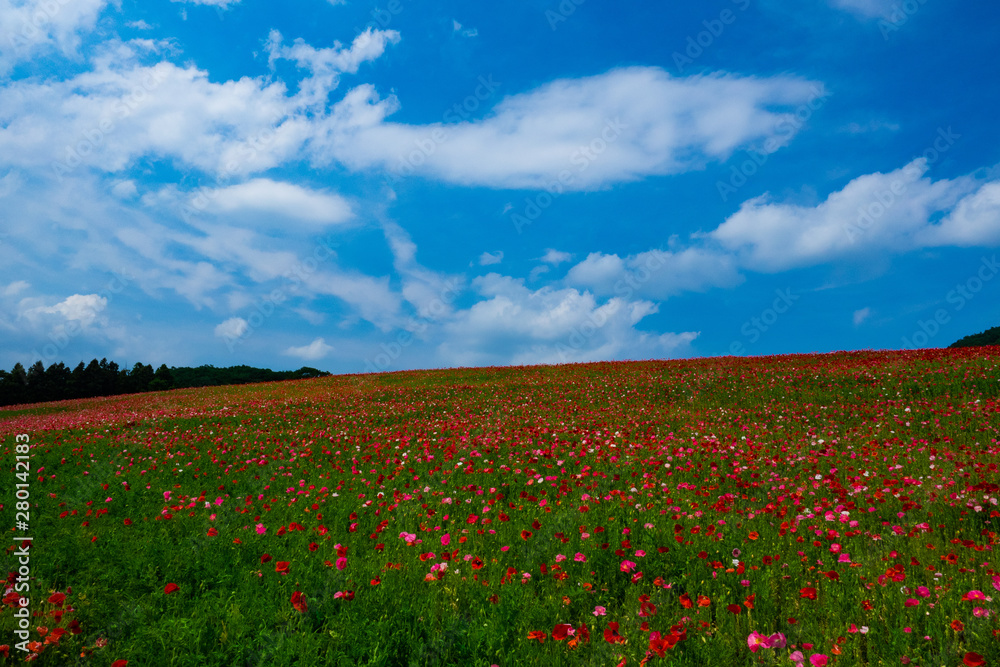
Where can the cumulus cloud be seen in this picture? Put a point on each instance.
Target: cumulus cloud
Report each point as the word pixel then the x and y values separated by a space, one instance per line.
pixel 232 329
pixel 895 212
pixel 81 308
pixel 514 324
pixel 314 351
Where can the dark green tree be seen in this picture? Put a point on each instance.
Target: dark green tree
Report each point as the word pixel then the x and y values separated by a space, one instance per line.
pixel 162 379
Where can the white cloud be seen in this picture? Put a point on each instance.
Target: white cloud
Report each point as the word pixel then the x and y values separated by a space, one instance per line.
pixel 232 329
pixel 431 293
pixel 139 25
pixel 125 189
pixel 314 351
pixel 975 221
pixel 32 27
pixel 878 211
pixel 556 257
pixel 16 287
pixel 275 199
pixel 487 258
pixel 537 272
pixel 513 324
pixel 655 273
pixel 861 315
pixel 326 64
pixel 123 109
pixel 81 308
pixel 619 126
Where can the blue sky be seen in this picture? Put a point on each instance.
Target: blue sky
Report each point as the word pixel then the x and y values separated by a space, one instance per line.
pixel 363 186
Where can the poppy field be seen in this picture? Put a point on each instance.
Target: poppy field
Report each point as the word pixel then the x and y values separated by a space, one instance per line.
pixel 806 510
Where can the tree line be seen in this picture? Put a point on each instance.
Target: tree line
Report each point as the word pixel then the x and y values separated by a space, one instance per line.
pixel 105 378
pixel 988 337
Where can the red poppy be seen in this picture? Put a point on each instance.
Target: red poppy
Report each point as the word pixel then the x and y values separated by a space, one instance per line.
pixel 170 588
pixel 753 535
pixel 749 601
pixel 808 592
pixel 735 608
pixel 525 534
pixel 561 631
pixel 128 522
pixel 704 601
pixel 611 635
pixel 265 558
pixel 212 532
pixel 957 625
pixel 537 634
pixel 119 663
pixel 313 546
pixel 972 659
pixel 686 601
pixel 299 602
pixel 282 566
pixel 57 599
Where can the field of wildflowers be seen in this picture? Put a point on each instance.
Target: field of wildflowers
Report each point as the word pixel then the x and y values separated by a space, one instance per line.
pixel 799 510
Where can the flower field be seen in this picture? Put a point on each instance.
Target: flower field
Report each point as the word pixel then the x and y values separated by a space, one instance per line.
pixel 800 510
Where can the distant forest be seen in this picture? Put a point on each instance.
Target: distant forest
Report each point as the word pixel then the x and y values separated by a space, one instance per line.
pixel 988 337
pixel 104 378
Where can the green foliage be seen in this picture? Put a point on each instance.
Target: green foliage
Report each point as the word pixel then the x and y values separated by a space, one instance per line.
pixel 988 337
pixel 104 378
